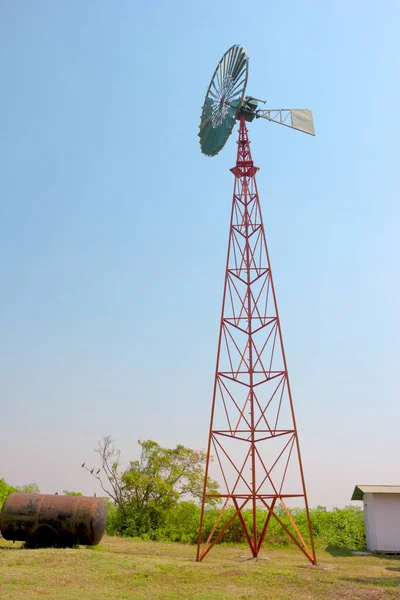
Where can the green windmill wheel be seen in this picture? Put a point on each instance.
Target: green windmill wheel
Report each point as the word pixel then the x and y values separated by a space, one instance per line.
pixel 223 99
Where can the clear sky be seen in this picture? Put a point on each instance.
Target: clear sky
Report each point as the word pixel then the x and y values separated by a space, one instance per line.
pixel 114 228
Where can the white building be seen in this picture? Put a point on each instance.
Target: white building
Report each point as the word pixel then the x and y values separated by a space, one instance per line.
pixel 381 516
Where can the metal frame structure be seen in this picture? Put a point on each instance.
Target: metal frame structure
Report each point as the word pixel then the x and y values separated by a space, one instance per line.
pixel 253 443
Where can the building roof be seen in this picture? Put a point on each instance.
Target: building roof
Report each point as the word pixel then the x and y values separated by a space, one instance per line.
pixel 360 490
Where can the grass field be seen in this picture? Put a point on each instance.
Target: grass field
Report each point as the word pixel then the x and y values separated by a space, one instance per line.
pixel 126 569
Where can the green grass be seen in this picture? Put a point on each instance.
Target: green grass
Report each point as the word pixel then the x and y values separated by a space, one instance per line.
pixel 125 569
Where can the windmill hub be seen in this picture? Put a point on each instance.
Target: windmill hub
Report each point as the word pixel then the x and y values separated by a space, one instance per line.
pixel 248 109
pixel 220 107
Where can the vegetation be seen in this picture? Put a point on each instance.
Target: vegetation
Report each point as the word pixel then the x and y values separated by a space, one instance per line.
pixel 5 490
pixel 28 488
pixel 179 522
pixel 156 498
pixel 125 569
pixel 151 489
pixel 339 528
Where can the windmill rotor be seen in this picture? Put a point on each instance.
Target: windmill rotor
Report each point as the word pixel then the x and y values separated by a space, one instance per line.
pixel 223 99
pixel 225 102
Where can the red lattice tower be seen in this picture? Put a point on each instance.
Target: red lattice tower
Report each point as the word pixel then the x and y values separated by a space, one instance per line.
pixel 253 436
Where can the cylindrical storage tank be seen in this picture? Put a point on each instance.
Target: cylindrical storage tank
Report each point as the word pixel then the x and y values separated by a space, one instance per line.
pixel 46 520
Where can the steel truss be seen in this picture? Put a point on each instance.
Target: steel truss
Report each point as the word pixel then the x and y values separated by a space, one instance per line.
pixel 253 435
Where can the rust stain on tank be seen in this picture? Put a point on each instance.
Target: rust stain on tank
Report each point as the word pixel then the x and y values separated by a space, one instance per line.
pixel 47 520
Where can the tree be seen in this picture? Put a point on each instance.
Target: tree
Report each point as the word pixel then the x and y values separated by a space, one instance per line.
pixel 29 488
pixel 109 471
pixel 152 484
pixel 67 493
pixel 162 476
pixel 5 490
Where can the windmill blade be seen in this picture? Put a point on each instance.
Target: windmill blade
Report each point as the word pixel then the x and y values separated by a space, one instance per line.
pixel 295 118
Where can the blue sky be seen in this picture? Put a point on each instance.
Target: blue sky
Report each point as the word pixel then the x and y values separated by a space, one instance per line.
pixel 114 229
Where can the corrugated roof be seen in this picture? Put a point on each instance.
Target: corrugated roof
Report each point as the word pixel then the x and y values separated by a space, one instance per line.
pixel 360 490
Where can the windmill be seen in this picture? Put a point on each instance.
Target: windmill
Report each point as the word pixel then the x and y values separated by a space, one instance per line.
pixel 253 446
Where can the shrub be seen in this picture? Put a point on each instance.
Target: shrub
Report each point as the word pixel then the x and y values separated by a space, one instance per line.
pixel 342 528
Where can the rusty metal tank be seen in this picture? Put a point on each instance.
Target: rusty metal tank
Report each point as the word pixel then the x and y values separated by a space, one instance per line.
pixel 44 520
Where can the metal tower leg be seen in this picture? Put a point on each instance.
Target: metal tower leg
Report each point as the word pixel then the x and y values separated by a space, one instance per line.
pixel 253 435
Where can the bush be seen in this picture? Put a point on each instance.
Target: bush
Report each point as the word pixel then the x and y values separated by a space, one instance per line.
pixel 342 528
pixel 181 524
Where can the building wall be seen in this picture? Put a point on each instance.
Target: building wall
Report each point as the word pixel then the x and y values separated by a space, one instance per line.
pixel 382 522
